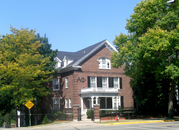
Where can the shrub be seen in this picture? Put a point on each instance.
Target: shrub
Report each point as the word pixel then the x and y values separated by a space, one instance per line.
pixel 45 120
pixel 59 115
pixel 88 113
pixel 120 108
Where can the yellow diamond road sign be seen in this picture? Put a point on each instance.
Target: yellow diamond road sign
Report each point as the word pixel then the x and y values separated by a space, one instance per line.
pixel 29 104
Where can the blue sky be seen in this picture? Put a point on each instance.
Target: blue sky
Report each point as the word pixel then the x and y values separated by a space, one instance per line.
pixel 70 25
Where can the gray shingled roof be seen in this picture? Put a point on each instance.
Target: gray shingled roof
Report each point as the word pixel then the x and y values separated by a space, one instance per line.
pixel 77 55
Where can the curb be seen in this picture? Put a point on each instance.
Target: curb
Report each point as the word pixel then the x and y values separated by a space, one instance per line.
pixel 156 121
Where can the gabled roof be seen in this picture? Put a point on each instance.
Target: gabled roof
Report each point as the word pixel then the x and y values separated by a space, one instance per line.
pixel 81 55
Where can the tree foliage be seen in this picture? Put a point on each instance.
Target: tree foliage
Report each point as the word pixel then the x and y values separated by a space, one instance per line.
pixel 22 68
pixel 150 52
pixel 46 51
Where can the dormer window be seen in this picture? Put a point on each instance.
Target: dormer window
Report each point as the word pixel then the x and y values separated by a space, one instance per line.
pixel 104 63
pixel 58 63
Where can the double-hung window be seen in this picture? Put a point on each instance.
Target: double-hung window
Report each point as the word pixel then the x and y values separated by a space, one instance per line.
pixel 93 82
pixel 66 103
pixel 69 103
pixel 116 83
pixel 56 84
pixel 56 103
pixel 66 82
pixel 104 82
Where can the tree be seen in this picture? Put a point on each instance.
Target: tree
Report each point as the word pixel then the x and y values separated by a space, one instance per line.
pixel 151 49
pixel 45 50
pixel 22 68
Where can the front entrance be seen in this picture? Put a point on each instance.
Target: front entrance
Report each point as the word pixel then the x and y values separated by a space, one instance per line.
pixel 106 103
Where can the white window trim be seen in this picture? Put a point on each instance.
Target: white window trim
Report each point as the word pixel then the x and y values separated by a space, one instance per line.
pixel 58 64
pixel 69 101
pixel 106 60
pixel 107 86
pixel 95 81
pixel 55 84
pixel 54 98
pixel 66 103
pixel 66 82
pixel 117 83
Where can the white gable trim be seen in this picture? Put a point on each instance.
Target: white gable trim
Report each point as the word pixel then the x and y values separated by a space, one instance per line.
pixel 106 43
pixel 57 59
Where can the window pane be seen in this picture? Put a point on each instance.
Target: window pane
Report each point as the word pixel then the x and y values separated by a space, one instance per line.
pixel 116 82
pixel 69 103
pixel 104 82
pixel 66 81
pixel 92 82
pixel 55 84
pixel 103 63
pixel 66 103
pixel 56 103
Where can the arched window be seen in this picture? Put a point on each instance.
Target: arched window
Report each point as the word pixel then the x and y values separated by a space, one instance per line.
pixel 104 63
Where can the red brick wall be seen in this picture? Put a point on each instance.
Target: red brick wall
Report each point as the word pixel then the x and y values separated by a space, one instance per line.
pixel 90 68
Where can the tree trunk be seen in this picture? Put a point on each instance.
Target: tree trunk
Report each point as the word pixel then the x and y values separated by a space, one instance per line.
pixel 170 104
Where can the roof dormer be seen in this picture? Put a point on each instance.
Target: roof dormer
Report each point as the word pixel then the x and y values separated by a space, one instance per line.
pixel 58 64
pixel 66 61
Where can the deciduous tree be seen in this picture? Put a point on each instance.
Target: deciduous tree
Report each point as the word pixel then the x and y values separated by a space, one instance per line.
pixel 151 48
pixel 22 67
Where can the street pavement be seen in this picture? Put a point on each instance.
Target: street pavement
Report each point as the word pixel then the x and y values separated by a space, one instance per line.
pixel 87 124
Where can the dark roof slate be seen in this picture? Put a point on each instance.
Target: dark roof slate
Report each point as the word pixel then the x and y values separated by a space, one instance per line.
pixel 75 56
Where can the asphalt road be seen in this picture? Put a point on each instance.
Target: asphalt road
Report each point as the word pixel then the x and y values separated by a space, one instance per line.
pixel 77 126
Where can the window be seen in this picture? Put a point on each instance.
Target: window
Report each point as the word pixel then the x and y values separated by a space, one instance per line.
pixel 104 63
pixel 69 103
pixel 93 82
pixel 116 82
pixel 66 82
pixel 118 98
pixel 66 103
pixel 56 103
pixel 104 82
pixel 56 84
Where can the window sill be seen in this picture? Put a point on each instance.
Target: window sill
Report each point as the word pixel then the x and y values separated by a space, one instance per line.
pixel 104 68
pixel 56 89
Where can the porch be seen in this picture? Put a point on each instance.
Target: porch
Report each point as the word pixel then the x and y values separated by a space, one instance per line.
pixel 106 103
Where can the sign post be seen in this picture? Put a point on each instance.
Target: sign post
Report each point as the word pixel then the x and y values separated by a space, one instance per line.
pixel 29 105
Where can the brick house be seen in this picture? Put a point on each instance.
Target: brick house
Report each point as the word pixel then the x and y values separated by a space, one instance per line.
pixel 86 77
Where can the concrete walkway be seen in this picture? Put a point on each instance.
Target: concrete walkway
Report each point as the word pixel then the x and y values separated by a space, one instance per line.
pixel 74 124
pixel 80 124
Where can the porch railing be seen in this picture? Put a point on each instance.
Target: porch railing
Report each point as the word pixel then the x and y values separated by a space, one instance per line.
pixel 97 89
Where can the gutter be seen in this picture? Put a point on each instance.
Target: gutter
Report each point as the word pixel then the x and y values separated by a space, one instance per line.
pixel 70 68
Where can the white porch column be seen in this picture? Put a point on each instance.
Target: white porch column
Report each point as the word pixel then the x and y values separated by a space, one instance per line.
pixel 105 102
pixel 117 103
pixel 92 101
pixel 97 100
pixel 19 120
pixel 119 100
pixel 113 102
pixel 81 106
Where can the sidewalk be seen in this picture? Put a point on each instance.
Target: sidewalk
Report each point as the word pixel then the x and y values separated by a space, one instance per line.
pixel 87 122
pixel 139 122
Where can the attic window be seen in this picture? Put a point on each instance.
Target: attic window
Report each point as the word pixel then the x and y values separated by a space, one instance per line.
pixel 104 63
